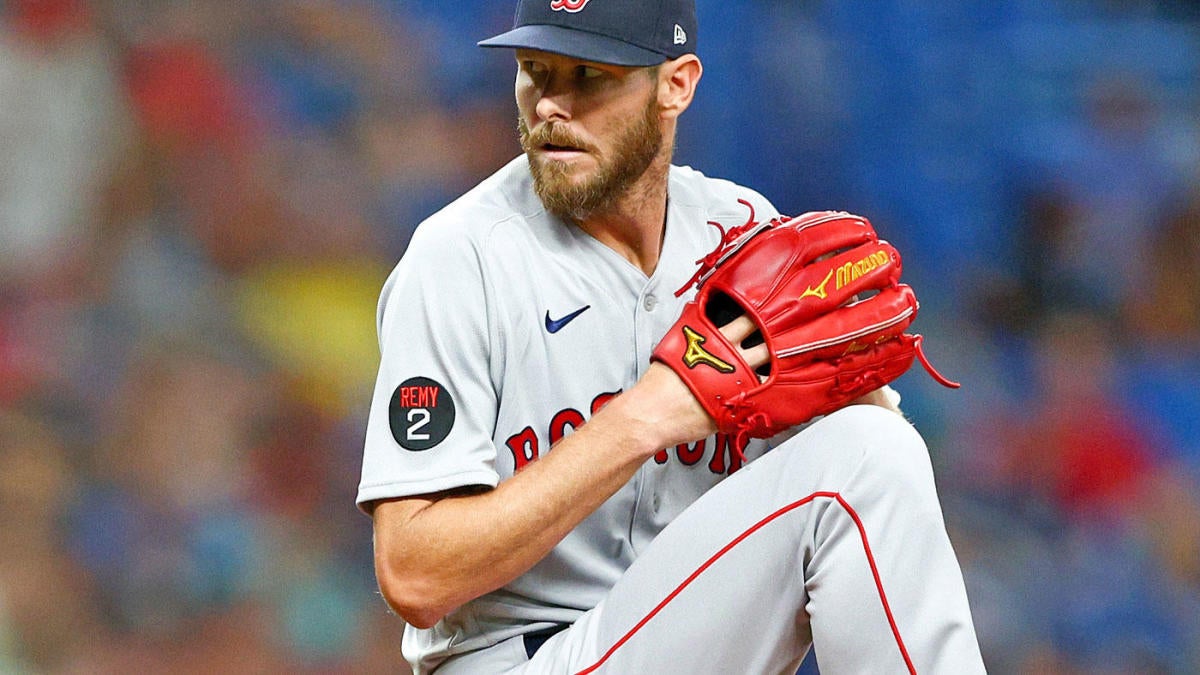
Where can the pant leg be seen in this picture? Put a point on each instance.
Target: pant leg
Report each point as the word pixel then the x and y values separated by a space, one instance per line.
pixel 835 538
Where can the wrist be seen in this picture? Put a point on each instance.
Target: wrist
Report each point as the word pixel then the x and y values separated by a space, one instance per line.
pixel 658 412
pixel 623 425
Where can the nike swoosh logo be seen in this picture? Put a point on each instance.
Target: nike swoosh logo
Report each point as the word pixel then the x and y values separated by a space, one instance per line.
pixel 555 325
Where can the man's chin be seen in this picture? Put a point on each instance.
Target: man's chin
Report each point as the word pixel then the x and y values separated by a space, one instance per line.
pixel 559 175
pixel 567 199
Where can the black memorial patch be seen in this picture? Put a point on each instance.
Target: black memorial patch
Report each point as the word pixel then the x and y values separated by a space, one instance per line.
pixel 421 413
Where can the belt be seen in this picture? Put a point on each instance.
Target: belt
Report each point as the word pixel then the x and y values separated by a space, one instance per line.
pixel 535 640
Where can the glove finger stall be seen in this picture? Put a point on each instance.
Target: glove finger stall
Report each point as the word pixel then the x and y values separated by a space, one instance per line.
pixel 847 329
pixel 824 232
pixel 822 286
pixel 758 264
pixel 825 386
pixel 775 288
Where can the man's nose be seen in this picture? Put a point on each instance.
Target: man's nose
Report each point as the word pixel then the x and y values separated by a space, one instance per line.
pixel 554 101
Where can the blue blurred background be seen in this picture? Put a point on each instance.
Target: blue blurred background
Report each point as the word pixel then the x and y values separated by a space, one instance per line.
pixel 199 201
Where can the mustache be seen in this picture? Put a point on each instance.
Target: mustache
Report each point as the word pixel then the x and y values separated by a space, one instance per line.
pixel 550 133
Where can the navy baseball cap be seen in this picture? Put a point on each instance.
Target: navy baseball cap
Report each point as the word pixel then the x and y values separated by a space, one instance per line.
pixel 618 32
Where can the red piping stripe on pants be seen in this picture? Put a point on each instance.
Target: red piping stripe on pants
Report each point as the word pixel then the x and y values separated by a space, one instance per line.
pixel 862 532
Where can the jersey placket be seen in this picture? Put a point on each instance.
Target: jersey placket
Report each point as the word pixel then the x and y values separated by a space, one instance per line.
pixel 656 310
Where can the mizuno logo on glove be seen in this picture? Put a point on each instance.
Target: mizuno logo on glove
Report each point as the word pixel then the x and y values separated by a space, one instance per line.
pixel 819 291
pixel 695 354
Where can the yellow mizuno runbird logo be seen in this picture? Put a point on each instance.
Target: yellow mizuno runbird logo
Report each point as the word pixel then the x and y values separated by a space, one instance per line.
pixel 819 291
pixel 695 354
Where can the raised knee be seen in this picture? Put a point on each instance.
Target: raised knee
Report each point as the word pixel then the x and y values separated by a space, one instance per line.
pixel 882 443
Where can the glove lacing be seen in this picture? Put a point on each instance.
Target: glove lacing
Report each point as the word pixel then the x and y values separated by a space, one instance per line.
pixel 755 421
pixel 919 347
pixel 731 240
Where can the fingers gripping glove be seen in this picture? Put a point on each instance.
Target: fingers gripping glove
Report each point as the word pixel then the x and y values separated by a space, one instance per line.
pixel 824 293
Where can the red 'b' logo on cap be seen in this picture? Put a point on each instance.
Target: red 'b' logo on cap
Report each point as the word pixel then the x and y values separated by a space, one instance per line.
pixel 568 5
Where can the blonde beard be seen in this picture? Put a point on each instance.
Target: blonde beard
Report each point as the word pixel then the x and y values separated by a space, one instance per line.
pixel 574 200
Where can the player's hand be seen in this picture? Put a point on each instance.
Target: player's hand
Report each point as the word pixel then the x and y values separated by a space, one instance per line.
pixel 737 332
pixel 663 406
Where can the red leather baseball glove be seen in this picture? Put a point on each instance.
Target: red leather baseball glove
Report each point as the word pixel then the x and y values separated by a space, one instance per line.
pixel 824 292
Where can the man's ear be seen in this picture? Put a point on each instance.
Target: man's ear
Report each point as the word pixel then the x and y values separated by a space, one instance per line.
pixel 677 81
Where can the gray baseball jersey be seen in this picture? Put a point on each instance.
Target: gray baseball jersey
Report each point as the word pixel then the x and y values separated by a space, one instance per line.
pixel 503 329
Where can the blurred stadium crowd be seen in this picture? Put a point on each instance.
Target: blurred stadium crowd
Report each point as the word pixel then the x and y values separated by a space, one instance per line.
pixel 199 200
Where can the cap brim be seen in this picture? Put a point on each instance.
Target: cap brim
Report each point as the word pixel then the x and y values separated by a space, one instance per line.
pixel 576 44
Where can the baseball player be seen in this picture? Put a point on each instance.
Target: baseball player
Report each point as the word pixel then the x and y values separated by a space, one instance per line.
pixel 546 498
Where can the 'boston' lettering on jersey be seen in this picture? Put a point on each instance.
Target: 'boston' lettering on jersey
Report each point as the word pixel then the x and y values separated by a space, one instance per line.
pixel 525 444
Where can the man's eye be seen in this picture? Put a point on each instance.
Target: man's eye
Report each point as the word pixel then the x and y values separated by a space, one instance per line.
pixel 588 72
pixel 533 67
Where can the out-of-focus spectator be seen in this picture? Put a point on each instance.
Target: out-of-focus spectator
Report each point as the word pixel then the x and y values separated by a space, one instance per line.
pixel 1166 310
pixel 161 524
pixel 315 321
pixel 1078 468
pixel 1169 524
pixel 1094 209
pixel 62 125
pixel 1071 443
pixel 48 603
pixel 1081 447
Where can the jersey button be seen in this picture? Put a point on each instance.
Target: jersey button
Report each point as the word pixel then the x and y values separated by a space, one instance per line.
pixel 650 302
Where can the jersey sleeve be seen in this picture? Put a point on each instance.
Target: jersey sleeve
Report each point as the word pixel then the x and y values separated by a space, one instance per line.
pixel 434 406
